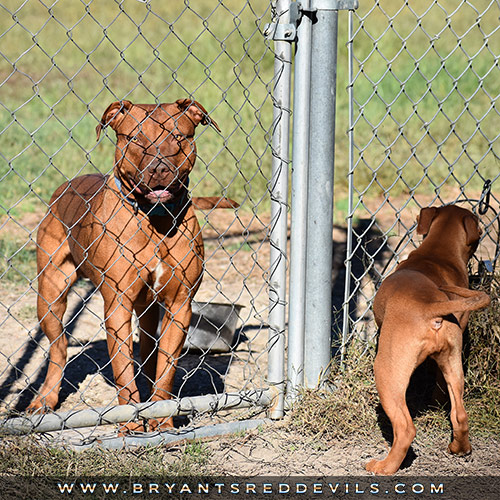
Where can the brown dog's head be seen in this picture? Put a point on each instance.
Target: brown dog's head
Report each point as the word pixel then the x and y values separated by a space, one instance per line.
pixel 451 217
pixel 155 149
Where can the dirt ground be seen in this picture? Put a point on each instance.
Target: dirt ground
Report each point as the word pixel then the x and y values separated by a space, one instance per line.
pixel 237 251
pixel 235 247
pixel 277 451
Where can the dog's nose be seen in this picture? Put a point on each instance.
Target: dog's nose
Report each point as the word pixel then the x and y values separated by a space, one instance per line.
pixel 161 167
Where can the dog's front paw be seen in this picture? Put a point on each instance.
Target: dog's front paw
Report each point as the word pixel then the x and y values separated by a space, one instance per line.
pixel 381 467
pixel 460 449
pixel 130 428
pixel 42 404
pixel 161 424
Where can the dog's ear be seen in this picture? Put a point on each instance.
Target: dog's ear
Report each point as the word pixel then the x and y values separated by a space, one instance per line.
pixel 196 112
pixel 113 115
pixel 472 229
pixel 425 219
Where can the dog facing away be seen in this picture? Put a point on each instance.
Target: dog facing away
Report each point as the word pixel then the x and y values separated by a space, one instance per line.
pixel 135 235
pixel 422 310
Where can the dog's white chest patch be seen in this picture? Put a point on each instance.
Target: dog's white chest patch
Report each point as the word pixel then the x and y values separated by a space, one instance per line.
pixel 157 274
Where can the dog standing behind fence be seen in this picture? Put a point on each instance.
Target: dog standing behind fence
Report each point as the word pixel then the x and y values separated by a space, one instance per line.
pixel 134 234
pixel 422 310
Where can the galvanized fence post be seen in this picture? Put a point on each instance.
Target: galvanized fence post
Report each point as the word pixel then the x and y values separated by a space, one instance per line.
pixel 279 197
pixel 298 232
pixel 318 321
pixel 320 198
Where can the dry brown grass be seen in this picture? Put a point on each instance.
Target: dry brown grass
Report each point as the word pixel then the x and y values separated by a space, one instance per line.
pixel 349 407
pixel 27 456
pixel 482 364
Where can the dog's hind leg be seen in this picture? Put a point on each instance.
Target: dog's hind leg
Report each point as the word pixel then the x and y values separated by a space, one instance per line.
pixel 392 379
pixel 56 275
pixel 450 363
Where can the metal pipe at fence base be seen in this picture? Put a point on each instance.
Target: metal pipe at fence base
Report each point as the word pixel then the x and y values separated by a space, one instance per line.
pixel 170 438
pixel 124 413
pixel 298 233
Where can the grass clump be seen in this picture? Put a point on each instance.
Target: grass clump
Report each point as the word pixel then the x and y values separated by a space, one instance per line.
pixel 17 260
pixel 482 380
pixel 483 358
pixel 349 408
pixel 30 469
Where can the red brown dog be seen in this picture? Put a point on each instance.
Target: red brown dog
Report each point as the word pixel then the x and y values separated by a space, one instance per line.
pixel 134 234
pixel 422 310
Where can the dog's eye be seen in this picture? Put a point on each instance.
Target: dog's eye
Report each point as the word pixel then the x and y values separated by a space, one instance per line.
pixel 132 138
pixel 178 137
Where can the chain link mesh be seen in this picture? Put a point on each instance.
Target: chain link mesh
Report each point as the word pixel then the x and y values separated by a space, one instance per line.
pixel 61 64
pixel 425 92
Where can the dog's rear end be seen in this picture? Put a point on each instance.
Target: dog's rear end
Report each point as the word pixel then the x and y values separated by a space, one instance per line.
pixel 422 310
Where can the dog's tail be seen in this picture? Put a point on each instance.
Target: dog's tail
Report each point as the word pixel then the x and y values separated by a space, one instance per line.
pixel 470 300
pixel 210 202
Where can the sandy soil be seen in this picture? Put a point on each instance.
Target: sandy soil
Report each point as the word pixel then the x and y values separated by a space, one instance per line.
pixel 277 451
pixel 234 275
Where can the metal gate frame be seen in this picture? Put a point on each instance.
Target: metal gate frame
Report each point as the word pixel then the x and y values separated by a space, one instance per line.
pixel 310 300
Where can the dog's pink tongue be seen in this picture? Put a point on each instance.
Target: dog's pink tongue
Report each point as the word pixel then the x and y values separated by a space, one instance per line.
pixel 159 195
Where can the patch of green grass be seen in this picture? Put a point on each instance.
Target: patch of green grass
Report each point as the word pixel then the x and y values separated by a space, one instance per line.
pixel 236 247
pixel 425 90
pixel 197 452
pixel 17 260
pixel 62 67
pixel 341 210
pixel 26 457
pixel 27 312
pixel 483 409
pixel 421 111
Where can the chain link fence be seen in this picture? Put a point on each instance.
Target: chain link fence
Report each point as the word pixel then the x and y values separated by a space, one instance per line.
pixel 61 65
pixel 421 107
pixel 424 86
